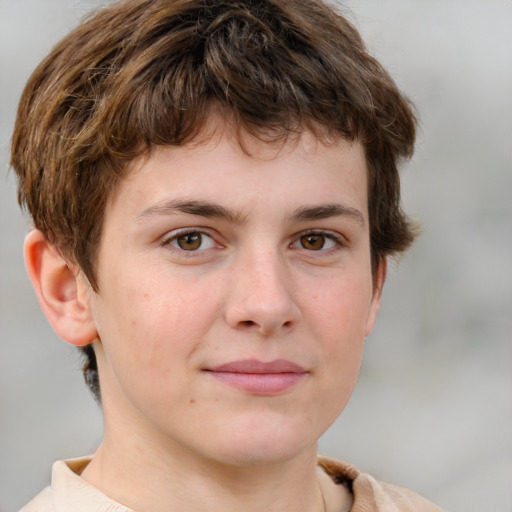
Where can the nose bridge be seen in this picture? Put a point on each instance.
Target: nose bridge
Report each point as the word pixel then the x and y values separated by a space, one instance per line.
pixel 262 297
pixel 266 272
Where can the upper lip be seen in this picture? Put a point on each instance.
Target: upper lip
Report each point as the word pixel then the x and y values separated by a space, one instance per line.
pixel 255 366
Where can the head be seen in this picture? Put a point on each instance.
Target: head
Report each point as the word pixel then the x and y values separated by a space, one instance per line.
pixel 147 74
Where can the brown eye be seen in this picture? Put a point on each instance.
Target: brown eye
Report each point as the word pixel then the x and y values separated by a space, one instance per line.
pixel 189 241
pixel 312 242
pixel 192 241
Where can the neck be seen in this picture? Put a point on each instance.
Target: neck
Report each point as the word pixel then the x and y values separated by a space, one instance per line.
pixel 145 479
pixel 143 467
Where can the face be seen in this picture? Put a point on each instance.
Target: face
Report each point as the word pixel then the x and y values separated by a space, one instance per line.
pixel 235 296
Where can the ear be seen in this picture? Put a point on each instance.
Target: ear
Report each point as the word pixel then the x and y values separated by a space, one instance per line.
pixel 378 284
pixel 61 290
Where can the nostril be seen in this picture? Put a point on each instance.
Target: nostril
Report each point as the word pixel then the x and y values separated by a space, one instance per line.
pixel 250 324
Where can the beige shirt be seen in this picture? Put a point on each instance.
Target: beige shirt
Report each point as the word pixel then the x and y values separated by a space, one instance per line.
pixel 70 493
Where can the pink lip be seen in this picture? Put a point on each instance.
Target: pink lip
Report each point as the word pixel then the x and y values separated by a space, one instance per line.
pixel 259 378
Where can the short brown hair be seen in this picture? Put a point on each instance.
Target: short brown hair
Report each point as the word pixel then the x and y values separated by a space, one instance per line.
pixel 144 73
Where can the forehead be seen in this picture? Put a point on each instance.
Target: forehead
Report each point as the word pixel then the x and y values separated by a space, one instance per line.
pixel 224 164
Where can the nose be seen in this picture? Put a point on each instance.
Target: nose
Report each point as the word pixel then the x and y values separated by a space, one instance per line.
pixel 261 297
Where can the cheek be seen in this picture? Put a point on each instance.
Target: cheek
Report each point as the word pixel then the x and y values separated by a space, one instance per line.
pixel 155 322
pixel 342 307
pixel 341 317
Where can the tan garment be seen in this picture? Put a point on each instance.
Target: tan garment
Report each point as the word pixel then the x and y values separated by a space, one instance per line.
pixel 70 493
pixel 371 495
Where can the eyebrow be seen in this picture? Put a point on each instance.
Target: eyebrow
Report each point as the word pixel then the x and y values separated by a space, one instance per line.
pixel 325 211
pixel 213 210
pixel 192 207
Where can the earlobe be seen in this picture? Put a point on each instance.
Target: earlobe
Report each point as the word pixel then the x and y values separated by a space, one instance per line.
pixel 60 291
pixel 378 284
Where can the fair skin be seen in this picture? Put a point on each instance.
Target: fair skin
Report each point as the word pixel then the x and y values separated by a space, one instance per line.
pixel 235 295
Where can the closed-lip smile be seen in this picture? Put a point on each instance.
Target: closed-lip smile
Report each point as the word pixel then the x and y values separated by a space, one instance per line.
pixel 258 377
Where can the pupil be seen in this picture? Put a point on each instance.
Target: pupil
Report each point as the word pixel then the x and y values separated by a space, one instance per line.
pixel 190 241
pixel 313 242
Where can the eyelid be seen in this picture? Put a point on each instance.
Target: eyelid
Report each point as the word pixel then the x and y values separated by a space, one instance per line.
pixel 340 240
pixel 336 237
pixel 176 233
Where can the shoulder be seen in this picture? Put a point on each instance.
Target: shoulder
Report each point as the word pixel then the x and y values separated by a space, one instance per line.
pixel 372 495
pixel 70 492
pixel 43 502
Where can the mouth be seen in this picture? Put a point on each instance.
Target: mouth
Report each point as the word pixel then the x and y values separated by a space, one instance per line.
pixel 259 378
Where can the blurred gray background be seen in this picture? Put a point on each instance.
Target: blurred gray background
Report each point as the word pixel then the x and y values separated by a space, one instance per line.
pixel 433 407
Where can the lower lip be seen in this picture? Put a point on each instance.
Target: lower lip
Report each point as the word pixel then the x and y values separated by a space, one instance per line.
pixel 260 383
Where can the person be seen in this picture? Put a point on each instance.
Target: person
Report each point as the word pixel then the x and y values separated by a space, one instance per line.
pixel 214 192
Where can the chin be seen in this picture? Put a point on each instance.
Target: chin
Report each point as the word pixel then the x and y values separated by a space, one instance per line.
pixel 263 444
pixel 254 456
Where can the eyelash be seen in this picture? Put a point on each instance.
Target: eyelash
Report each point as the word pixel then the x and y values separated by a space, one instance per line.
pixel 168 241
pixel 338 240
